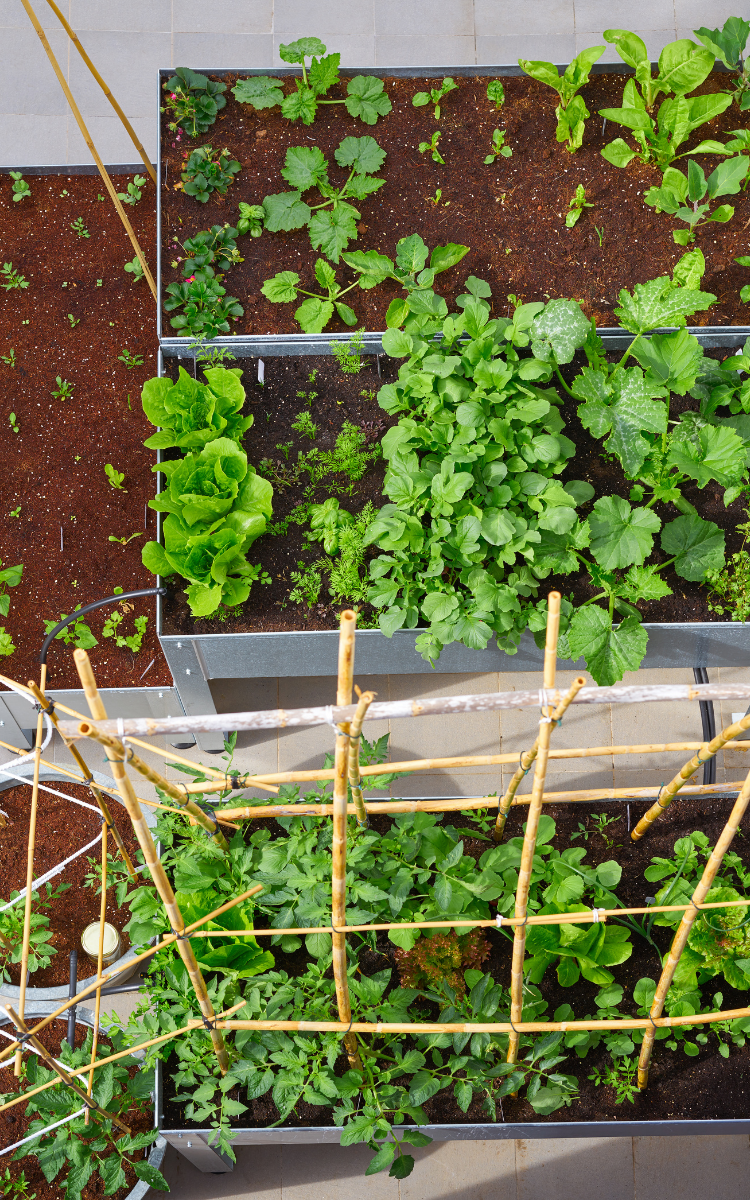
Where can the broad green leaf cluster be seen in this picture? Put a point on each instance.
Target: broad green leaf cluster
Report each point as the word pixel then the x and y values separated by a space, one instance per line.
pixel 193 101
pixel 208 170
pixel 571 112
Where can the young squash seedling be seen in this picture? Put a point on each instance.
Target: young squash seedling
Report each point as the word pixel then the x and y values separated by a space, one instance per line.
pixel 133 268
pixel 366 97
pixel 9 577
pixel 498 147
pixel 114 477
pixel 79 228
pixel 432 146
pixel 21 188
pixel 681 195
pixel 576 206
pixel 435 95
pixel 133 194
pixel 64 389
pixel 571 112
pixel 11 279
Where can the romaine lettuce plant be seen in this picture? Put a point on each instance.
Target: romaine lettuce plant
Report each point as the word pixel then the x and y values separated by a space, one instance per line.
pixel 681 195
pixel 206 171
pixel 332 222
pixel 366 97
pixel 189 414
pixel 192 100
pixel 660 137
pixel 571 112
pixel 207 310
pixel 728 45
pixel 683 66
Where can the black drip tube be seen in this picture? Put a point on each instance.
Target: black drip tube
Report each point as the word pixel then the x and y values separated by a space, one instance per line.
pixel 709 725
pixel 160 591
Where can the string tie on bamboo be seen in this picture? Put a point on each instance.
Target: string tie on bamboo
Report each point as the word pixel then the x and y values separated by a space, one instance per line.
pixel 520 763
pixel 353 737
pixel 128 756
pixel 546 702
pixel 181 937
pixel 598 914
pixel 210 1025
pixel 48 710
pixel 499 919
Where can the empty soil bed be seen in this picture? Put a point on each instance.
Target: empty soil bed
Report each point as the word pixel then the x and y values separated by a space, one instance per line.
pixel 62 828
pixel 680 1087
pixel 511 213
pixel 14 1126
pixel 60 515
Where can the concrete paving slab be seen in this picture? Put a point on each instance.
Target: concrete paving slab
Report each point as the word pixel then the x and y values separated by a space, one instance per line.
pixel 30 85
pixel 681 1168
pixel 113 51
pixel 589 1168
pixel 192 16
pixel 222 48
pixel 505 48
pixel 142 16
pixel 462 1171
pixel 424 49
pixel 319 1172
pixel 643 15
pixel 542 17
pixel 328 20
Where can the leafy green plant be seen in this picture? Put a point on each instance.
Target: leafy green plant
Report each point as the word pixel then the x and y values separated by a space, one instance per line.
pixel 7 645
pixel 10 358
pixel 10 279
pixel 21 188
pixel 327 521
pixel 307 584
pixel 130 360
pixel 349 354
pixel 442 957
pixel 135 268
pixel 64 389
pixel 41 949
pixel 304 425
pixel 12 421
pixel 77 634
pixel 123 540
pixel 729 586
pixel 79 228
pixel 207 310
pixel 571 112
pixel 434 96
pixel 682 67
pixel 496 93
pixel 622 1076
pixel 576 206
pixel 432 147
pixel 681 194
pixel 332 223
pixel 73 320
pixel 659 138
pixel 190 414
pixel 215 247
pixel 366 97
pixel 114 478
pixel 134 193
pixel 435 200
pixel 250 219
pixel 113 622
pixel 192 101
pixel 728 45
pixel 19 1186
pixel 208 170
pixel 600 823
pixel 498 147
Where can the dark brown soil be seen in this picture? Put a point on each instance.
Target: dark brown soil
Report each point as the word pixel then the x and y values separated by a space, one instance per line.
pixel 707 1086
pixel 14 1126
pixel 62 828
pixel 511 212
pixel 54 467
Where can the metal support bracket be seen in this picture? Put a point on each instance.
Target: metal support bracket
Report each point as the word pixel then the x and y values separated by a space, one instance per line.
pixel 191 683
pixel 10 730
pixel 197 1151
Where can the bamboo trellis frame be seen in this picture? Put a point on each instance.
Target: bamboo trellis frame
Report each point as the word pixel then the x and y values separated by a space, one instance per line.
pixel 347 767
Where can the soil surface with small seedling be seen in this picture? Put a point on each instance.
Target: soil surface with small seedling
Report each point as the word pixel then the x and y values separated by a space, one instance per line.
pixel 14 1126
pixel 54 467
pixel 511 212
pixel 62 828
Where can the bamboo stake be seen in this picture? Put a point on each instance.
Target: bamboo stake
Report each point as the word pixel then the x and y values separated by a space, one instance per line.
pixel 88 777
pixel 167 940
pixel 133 137
pixel 176 791
pixel 686 924
pixel 221 776
pixel 527 758
pixel 532 823
pixel 94 152
pixel 158 874
pixel 99 963
pixel 355 781
pixel 30 867
pixel 52 1065
pixel 348 623
pixel 667 795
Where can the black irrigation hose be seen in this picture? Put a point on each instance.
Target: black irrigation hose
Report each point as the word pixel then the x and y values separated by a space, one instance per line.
pixel 73 960
pixel 709 725
pixel 160 591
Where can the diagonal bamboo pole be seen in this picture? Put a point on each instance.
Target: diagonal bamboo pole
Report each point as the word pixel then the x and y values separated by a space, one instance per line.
pixel 52 1065
pixel 686 924
pixel 158 874
pixel 176 791
pixel 167 940
pixel 30 866
pixel 99 963
pixel 527 758
pixel 94 152
pixel 230 781
pixel 365 699
pixel 131 132
pixel 532 823
pixel 88 779
pixel 667 794
pixel 338 862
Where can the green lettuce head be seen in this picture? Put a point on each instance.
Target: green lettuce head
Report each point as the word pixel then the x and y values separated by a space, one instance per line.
pixel 190 414
pixel 719 944
pixel 204 486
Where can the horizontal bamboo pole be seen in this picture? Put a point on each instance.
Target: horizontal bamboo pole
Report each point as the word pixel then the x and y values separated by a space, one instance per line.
pixel 110 976
pixel 214 772
pixel 417 1028
pixel 466 803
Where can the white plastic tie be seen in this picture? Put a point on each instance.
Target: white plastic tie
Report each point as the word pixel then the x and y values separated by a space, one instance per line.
pixel 544 702
pixel 499 920
pixel 328 718
pixel 120 728
pixel 43 1132
pixel 597 915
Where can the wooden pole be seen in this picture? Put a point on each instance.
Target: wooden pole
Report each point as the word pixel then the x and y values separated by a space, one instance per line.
pixel 680 939
pixel 667 794
pixel 158 874
pixel 338 864
pixel 30 867
pixel 220 776
pixel 176 791
pixel 532 823
pixel 52 1065
pixel 88 780
pixel 99 963
pixel 355 781
pixel 526 760
pixel 94 152
pixel 131 132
